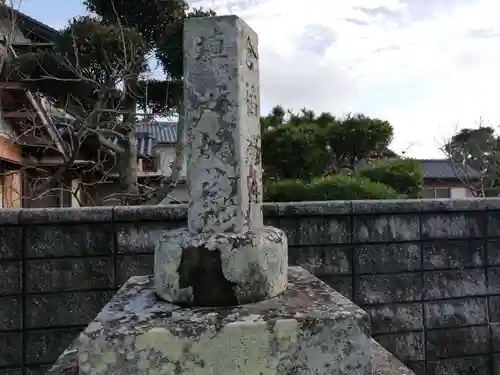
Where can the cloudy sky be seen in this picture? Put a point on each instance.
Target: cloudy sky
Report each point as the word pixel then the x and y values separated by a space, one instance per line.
pixel 427 66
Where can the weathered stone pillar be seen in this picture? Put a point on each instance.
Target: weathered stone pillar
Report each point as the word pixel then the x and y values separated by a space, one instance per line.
pixel 225 256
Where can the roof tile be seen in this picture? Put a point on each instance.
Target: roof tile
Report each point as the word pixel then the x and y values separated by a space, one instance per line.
pixel 442 169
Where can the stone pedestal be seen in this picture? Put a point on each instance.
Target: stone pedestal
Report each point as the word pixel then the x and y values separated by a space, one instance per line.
pixel 222 269
pixel 309 329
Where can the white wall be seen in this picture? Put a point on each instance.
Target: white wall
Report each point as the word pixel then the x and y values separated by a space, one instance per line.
pixel 458 192
pixel 166 156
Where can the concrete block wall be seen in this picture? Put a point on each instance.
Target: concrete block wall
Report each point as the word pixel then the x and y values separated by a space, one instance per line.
pixel 428 272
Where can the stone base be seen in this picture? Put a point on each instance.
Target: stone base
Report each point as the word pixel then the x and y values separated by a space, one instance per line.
pixel 309 329
pixel 223 269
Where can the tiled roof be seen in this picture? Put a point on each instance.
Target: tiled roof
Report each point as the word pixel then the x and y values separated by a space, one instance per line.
pixel 148 135
pixel 151 134
pixel 162 132
pixel 442 169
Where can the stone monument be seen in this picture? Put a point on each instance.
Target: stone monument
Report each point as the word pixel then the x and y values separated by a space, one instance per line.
pixel 226 256
pixel 222 300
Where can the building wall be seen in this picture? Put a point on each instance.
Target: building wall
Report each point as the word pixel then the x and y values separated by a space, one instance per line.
pixel 9 150
pixel 10 181
pixel 95 193
pixel 427 271
pixel 458 190
pixel 12 190
pixel 166 156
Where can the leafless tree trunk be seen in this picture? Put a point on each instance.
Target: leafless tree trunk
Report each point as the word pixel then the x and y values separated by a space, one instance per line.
pixel 127 164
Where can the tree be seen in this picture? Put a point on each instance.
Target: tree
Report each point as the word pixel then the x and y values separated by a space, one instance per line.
pixel 294 151
pixel 97 72
pixel 306 146
pixel 275 118
pixel 82 75
pixel 355 138
pixel 475 158
pixel 161 24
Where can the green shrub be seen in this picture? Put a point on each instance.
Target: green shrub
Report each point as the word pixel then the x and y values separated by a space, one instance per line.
pixel 343 187
pixel 285 191
pixel 403 175
pixel 337 187
pixel 492 191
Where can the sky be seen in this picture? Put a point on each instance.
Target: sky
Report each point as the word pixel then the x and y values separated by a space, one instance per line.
pixel 429 67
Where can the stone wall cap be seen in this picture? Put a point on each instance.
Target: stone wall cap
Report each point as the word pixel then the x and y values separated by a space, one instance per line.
pixel 150 213
pixel 9 216
pixel 66 215
pixel 468 204
pixel 387 206
pixel 325 208
pixel 270 209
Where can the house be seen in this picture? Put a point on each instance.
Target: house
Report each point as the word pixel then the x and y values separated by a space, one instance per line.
pixel 441 181
pixel 25 128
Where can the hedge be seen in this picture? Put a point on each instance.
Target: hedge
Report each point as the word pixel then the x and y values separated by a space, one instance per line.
pixel 337 187
pixel 403 175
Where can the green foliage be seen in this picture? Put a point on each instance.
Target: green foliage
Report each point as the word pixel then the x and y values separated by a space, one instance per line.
pixel 116 42
pixel 475 154
pixel 356 137
pixel 169 46
pixel 275 118
pixel 295 151
pixel 324 119
pixel 345 187
pixel 169 52
pixel 150 17
pixel 88 57
pixel 474 147
pixel 104 49
pixel 406 176
pixel 286 191
pixel 337 187
pixel 493 191
pixel 161 24
pixel 304 146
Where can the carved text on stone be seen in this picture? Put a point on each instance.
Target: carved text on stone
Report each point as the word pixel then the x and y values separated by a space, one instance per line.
pixel 252 56
pixel 210 48
pixel 252 101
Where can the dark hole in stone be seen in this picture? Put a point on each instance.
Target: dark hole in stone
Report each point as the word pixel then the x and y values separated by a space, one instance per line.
pixel 201 269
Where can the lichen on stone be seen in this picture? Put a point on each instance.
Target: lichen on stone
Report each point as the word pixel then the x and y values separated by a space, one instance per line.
pixel 221 268
pixel 308 329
